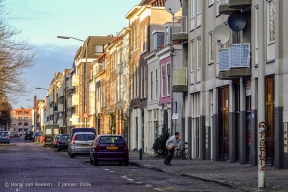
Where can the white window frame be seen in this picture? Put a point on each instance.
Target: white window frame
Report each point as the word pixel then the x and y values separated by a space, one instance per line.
pixel 198 44
pixel 145 81
pixel 211 3
pixel 168 85
pixel 268 23
pixel 198 13
pixel 217 8
pixel 163 76
pixel 210 50
pixel 156 84
pixel 193 14
pixel 256 35
pixel 151 85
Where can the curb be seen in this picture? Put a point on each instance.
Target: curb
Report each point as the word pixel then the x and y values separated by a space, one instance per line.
pixel 220 182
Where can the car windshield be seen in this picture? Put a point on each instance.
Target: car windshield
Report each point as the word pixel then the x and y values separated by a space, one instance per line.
pixel 112 139
pixel 84 137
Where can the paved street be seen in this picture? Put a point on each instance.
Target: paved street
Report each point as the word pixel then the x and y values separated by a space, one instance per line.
pixel 26 166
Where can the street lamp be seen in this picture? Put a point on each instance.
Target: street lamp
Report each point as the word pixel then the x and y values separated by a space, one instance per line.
pixel 35 114
pixel 85 71
pixel 49 101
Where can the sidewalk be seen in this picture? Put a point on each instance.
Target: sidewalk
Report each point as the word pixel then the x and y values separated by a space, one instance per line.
pixel 242 177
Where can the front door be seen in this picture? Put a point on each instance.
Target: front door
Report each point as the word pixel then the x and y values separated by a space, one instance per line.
pixel 269 120
pixel 223 125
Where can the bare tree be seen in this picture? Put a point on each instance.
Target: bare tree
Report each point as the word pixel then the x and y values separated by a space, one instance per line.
pixel 15 57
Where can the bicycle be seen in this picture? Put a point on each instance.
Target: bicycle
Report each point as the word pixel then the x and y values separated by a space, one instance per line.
pixel 181 152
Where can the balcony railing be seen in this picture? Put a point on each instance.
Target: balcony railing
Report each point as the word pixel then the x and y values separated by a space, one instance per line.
pixel 180 25
pixel 75 80
pixel 240 55
pixel 224 59
pixel 75 99
pixel 237 56
pixel 180 76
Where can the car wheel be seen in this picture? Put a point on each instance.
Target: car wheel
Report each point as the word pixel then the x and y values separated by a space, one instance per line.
pixel 126 162
pixel 91 161
pixel 120 162
pixel 72 155
pixel 95 162
pixel 8 143
pixel 58 149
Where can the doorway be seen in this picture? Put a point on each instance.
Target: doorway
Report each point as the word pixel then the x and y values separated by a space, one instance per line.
pixel 223 126
pixel 269 119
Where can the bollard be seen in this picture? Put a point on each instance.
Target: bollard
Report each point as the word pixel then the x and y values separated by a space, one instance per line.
pixel 140 154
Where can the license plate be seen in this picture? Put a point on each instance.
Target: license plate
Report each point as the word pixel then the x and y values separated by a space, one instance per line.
pixel 66 142
pixel 85 145
pixel 112 147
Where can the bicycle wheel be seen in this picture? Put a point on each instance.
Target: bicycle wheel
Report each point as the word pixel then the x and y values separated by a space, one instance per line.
pixel 185 154
pixel 176 154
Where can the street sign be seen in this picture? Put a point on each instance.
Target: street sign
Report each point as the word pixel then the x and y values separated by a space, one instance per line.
pixel 175 107
pixel 175 115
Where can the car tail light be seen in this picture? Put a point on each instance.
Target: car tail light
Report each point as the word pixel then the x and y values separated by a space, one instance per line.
pixel 8 137
pixel 97 147
pixel 59 142
pixel 125 147
pixel 74 139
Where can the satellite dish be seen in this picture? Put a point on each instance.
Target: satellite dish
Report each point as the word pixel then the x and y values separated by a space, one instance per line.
pixel 237 21
pixel 172 6
pixel 221 34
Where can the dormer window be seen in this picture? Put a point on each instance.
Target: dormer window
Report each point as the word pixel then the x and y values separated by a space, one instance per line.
pixel 99 48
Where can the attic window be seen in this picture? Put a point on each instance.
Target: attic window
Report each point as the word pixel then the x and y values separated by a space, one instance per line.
pixel 98 48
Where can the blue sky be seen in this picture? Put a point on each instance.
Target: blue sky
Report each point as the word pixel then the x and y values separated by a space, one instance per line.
pixel 40 21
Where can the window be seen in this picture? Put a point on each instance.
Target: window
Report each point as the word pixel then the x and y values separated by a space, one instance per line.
pixel 193 14
pixel 211 48
pixel 142 39
pixel 98 48
pixel 199 13
pixel 145 82
pixel 163 81
pixel 156 83
pixel 146 36
pixel 151 86
pixel 142 82
pixel 168 80
pixel 271 17
pixel 211 2
pixel 256 36
pixel 198 60
pixel 218 4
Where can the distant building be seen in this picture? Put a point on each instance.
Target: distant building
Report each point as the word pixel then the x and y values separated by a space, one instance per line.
pixel 21 120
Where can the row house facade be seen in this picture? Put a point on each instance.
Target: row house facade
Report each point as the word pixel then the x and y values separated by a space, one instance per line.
pixel 21 120
pixel 143 19
pixel 220 99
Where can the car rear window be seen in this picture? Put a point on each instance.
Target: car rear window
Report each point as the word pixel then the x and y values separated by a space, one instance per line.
pixel 84 137
pixel 64 137
pixel 112 139
pixel 4 133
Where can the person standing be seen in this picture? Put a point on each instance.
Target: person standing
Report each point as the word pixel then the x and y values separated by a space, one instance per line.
pixel 173 141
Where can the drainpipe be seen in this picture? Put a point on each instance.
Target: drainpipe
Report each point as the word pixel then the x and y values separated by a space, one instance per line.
pixel 261 97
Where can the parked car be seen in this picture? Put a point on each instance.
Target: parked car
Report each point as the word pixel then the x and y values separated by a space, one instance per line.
pixel 80 143
pixel 28 135
pixel 49 132
pixel 35 135
pixel 81 129
pixel 109 148
pixel 4 137
pixel 63 142
pixel 54 141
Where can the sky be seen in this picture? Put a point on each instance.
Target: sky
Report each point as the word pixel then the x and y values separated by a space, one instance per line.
pixel 41 21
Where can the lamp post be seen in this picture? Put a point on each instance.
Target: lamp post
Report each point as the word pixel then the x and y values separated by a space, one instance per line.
pixel 85 72
pixel 49 101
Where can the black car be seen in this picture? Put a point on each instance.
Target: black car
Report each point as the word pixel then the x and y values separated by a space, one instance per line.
pixel 63 142
pixel 28 135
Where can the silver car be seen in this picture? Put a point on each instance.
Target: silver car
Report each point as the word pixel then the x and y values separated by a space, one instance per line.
pixel 80 143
